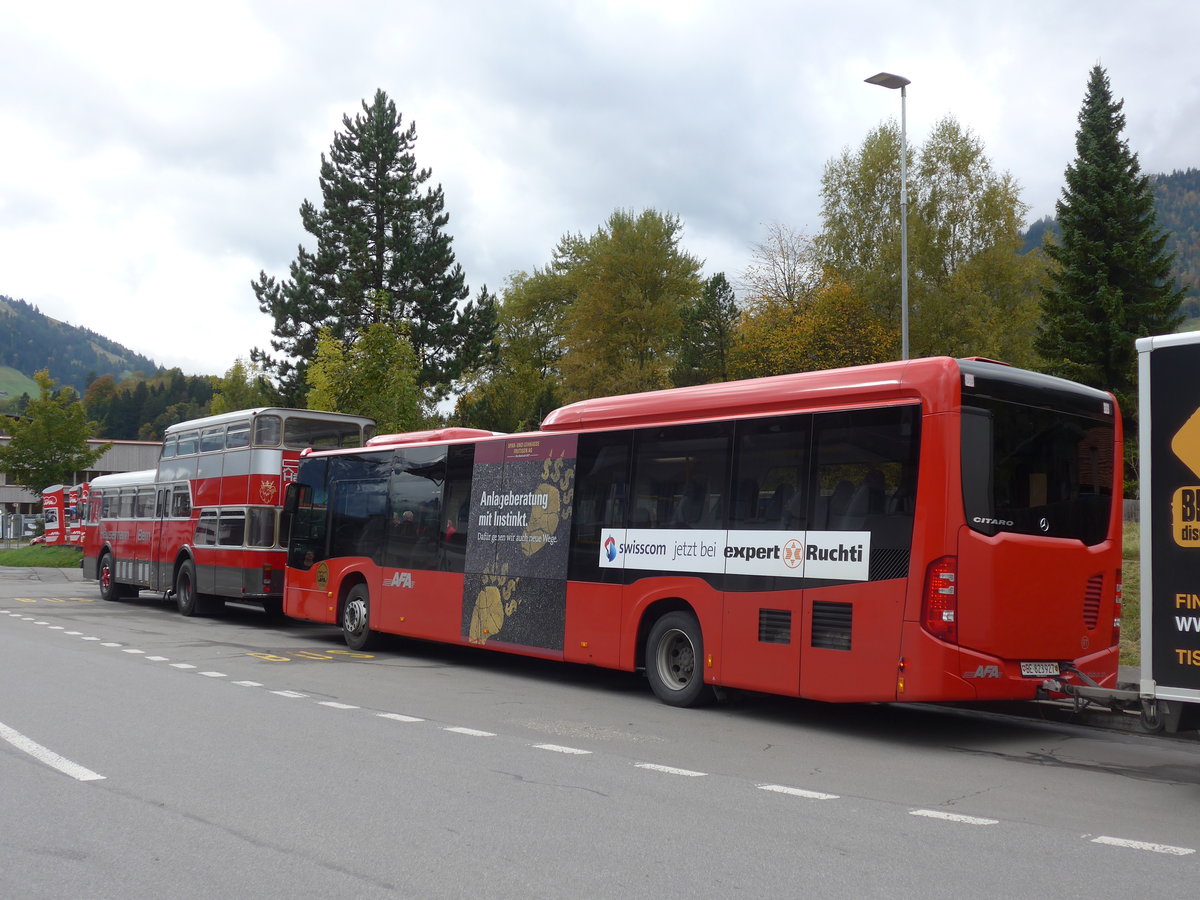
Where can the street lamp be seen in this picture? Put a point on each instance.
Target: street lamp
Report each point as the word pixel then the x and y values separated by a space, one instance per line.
pixel 890 81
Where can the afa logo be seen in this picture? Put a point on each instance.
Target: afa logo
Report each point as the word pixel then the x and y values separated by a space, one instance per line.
pixel 610 549
pixel 400 580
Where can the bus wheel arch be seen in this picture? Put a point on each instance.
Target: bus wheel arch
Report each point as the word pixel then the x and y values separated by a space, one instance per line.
pixel 671 643
pixel 354 613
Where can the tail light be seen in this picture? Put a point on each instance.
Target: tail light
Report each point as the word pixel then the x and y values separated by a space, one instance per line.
pixel 1118 609
pixel 939 606
pixel 266 585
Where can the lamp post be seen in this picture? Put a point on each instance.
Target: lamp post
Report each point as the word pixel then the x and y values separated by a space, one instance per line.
pixel 890 81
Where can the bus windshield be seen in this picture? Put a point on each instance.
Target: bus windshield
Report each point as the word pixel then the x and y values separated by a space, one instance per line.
pixel 1037 463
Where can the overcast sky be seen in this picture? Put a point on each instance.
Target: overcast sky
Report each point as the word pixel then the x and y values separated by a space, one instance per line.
pixel 155 155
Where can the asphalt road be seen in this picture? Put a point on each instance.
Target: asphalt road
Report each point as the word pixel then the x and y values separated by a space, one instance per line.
pixel 147 755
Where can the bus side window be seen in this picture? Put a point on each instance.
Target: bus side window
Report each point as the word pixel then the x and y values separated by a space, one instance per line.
pixel 206 528
pixel 680 475
pixel 865 465
pixel 237 436
pixel 181 502
pixel 267 431
pixel 770 482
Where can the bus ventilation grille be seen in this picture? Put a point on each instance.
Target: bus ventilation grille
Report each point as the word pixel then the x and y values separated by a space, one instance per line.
pixel 775 626
pixel 831 625
pixel 1091 601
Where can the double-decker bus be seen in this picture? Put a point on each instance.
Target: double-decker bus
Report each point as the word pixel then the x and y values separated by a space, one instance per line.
pixel 932 530
pixel 204 524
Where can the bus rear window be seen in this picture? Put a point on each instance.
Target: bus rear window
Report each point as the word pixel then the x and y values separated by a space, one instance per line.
pixel 1036 471
pixel 300 433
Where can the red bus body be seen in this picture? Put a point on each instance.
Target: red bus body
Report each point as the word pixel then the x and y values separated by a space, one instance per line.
pixel 211 507
pixel 961 585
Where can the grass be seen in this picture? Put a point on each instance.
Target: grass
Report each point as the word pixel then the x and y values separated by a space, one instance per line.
pixel 1131 610
pixel 42 556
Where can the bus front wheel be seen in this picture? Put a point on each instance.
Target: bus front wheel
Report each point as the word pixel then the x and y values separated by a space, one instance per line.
pixel 109 588
pixel 356 619
pixel 675 660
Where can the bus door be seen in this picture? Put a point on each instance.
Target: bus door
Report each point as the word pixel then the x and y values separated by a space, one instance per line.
pixel 858 541
pixel 162 507
pixel 428 501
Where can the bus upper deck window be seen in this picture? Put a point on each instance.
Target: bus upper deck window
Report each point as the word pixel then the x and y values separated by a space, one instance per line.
pixel 267 430
pixel 212 439
pixel 189 443
pixel 170 446
pixel 237 436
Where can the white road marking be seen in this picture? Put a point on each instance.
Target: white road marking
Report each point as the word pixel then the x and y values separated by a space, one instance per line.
pixel 332 705
pixel 797 792
pixel 58 627
pixel 470 732
pixel 212 674
pixel 49 757
pixel 952 817
pixel 182 666
pixel 129 650
pixel 159 658
pixel 89 638
pixel 249 683
pixel 1143 845
pixel 556 748
pixel 670 770
pixel 295 695
pixel 396 717
pixel 73 633
pixel 41 623
pixel 110 644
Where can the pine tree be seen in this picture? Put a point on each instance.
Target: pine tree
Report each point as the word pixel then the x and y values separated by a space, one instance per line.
pixel 379 233
pixel 1112 283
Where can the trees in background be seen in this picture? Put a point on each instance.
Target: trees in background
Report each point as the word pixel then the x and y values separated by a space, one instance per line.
pixel 381 256
pixel 1112 281
pixel 244 386
pixel 966 272
pixel 628 285
pixel 49 441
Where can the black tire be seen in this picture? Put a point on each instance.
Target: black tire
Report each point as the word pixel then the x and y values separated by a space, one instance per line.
pixel 109 588
pixel 356 619
pixel 273 608
pixel 187 598
pixel 675 661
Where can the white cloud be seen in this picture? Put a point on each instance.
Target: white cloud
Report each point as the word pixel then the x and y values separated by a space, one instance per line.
pixel 156 156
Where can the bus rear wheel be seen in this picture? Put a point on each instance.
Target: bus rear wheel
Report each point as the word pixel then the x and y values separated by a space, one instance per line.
pixel 356 619
pixel 675 661
pixel 187 598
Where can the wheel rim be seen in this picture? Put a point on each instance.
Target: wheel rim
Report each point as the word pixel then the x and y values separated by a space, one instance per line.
pixel 354 620
pixel 676 660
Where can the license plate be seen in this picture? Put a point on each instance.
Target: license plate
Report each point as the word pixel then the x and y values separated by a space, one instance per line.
pixel 1039 669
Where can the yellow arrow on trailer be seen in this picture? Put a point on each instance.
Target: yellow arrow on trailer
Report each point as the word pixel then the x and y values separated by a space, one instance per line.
pixel 1186 443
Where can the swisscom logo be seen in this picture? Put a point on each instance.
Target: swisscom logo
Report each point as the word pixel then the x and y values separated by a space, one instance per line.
pixel 610 549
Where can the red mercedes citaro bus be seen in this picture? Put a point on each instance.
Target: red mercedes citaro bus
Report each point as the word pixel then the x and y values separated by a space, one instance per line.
pixel 933 530
pixel 205 523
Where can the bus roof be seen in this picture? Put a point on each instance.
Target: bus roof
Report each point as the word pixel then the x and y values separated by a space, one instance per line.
pixel 759 396
pixel 241 414
pixel 124 479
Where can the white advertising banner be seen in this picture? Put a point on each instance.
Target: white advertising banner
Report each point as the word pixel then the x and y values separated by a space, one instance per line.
pixel 837 555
